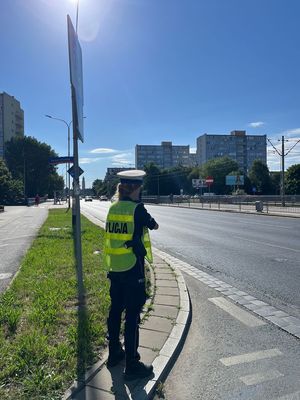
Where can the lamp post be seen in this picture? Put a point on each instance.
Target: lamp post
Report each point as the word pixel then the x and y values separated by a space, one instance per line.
pixel 68 126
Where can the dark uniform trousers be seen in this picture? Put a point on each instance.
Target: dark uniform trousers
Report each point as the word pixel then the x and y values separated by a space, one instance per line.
pixel 127 292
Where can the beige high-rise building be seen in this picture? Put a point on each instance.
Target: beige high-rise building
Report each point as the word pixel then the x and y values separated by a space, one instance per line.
pixel 11 120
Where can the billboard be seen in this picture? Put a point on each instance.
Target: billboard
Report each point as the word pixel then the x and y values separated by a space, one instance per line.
pixel 235 180
pixel 76 79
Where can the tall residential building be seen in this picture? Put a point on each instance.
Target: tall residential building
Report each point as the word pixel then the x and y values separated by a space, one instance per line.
pixel 242 148
pixel 112 172
pixel 163 156
pixel 11 120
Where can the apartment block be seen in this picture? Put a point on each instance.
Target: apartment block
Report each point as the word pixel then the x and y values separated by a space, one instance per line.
pixel 242 148
pixel 11 120
pixel 163 156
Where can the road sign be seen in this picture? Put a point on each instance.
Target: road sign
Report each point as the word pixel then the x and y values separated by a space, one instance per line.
pixel 198 183
pixel 71 171
pixel 209 180
pixel 61 160
pixel 75 62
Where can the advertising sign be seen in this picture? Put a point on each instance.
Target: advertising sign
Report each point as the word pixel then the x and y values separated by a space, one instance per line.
pixel 75 62
pixel 198 183
pixel 235 180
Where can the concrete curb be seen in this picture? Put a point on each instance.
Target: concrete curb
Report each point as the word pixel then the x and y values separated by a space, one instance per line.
pixel 167 278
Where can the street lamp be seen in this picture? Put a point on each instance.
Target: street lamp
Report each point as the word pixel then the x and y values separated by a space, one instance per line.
pixel 68 126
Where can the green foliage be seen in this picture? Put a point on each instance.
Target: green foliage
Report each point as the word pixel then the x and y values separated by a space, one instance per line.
pixel 275 182
pixel 42 332
pixel 292 177
pixel 28 158
pixel 10 189
pixel 167 181
pixel 218 168
pixel 259 176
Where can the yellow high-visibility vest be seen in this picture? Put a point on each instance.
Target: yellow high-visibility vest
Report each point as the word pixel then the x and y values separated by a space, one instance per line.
pixel 119 230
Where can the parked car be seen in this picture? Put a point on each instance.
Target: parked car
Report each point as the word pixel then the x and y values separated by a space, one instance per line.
pixel 103 198
pixel 88 198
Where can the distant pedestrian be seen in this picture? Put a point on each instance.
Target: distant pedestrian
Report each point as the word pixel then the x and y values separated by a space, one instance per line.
pixel 127 243
pixel 37 200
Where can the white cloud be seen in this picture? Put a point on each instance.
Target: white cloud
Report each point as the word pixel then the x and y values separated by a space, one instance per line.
pixel 257 124
pixel 103 150
pixel 87 160
pixel 292 132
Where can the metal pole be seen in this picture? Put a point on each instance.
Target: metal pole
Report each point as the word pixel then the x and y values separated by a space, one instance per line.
pixel 69 181
pixel 282 173
pixel 76 210
pixel 77 11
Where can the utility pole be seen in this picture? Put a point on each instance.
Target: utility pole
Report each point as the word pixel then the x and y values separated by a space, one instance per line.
pixel 282 173
pixel 282 155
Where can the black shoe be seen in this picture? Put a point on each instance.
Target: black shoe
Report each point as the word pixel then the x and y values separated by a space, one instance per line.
pixel 138 370
pixel 115 358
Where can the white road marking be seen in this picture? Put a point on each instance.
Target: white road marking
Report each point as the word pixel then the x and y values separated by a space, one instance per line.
pixel 5 275
pixel 3 245
pixel 267 244
pixel 291 396
pixel 257 378
pixel 243 316
pixel 249 357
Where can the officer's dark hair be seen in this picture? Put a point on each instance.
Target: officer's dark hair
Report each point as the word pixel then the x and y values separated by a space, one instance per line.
pixel 125 189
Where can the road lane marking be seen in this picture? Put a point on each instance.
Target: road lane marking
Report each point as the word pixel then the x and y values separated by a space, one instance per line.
pixel 255 379
pixel 250 357
pixel 291 396
pixel 267 244
pixel 243 316
pixel 5 275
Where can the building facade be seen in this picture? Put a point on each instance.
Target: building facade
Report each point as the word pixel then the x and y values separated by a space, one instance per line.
pixel 11 120
pixel 163 156
pixel 242 148
pixel 111 172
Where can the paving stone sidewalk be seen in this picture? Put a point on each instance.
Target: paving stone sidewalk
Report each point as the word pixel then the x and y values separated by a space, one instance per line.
pixel 164 326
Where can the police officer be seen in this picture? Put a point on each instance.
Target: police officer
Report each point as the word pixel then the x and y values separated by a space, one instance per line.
pixel 127 244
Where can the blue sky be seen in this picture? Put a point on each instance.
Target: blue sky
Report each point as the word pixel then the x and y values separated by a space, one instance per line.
pixel 155 70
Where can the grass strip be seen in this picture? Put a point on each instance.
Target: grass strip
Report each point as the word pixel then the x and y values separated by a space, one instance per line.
pixel 38 313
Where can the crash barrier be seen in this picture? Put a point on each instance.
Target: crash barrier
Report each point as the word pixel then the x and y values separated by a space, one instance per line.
pixel 1 208
pixel 261 204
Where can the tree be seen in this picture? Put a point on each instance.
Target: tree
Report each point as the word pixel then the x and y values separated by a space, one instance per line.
pixel 292 177
pixel 10 190
pixel 28 161
pixel 218 168
pixel 151 181
pixel 260 177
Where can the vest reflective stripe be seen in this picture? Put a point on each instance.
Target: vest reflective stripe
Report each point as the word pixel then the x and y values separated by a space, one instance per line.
pixel 120 217
pixel 118 251
pixel 123 236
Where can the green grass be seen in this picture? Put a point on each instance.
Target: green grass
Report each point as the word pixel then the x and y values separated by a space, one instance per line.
pixel 39 334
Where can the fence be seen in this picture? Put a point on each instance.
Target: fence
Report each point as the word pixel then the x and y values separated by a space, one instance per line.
pixel 269 204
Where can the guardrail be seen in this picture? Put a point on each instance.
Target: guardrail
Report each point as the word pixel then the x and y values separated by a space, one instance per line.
pixel 262 204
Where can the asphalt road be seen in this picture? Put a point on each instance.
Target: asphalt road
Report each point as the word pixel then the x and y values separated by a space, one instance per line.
pixel 226 357
pixel 18 227
pixel 257 254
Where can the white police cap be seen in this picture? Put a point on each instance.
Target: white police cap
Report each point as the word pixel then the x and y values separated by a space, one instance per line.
pixel 132 176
